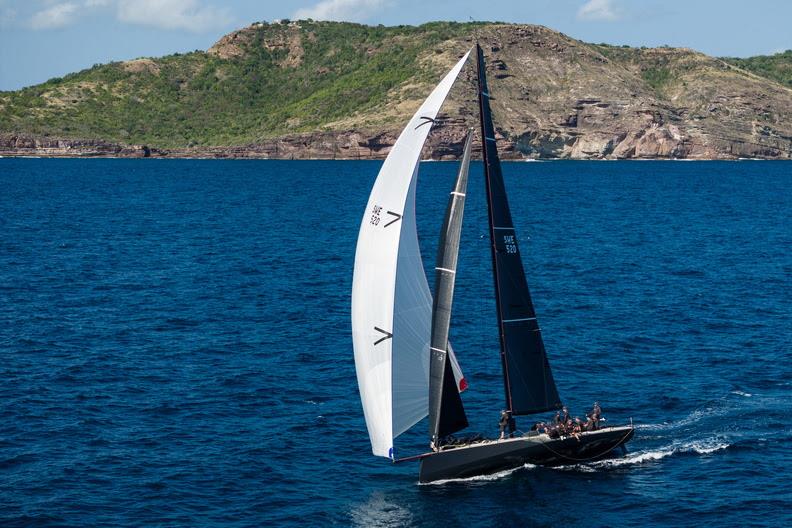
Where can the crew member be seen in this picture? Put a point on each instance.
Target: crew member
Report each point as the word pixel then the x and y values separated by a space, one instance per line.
pixel 565 415
pixel 596 414
pixel 590 424
pixel 503 423
pixel 577 428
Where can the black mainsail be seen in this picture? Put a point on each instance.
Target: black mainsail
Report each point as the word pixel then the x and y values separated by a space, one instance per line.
pixel 446 413
pixel 528 381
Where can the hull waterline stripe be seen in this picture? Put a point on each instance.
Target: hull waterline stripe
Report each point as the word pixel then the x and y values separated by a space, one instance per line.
pixel 518 320
pixel 503 228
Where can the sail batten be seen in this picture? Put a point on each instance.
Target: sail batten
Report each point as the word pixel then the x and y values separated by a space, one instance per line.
pixel 391 301
pixel 528 381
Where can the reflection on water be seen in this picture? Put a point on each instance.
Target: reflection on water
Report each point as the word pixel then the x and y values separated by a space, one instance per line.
pixel 379 511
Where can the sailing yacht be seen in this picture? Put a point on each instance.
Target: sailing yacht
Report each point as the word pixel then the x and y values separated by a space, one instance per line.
pixel 406 368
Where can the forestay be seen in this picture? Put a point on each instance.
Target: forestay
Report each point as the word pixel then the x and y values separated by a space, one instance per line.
pixel 391 301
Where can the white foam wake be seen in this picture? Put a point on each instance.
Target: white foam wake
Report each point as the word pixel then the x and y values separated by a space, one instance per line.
pixel 480 478
pixel 701 447
pixel 707 448
pixel 722 406
pixel 693 417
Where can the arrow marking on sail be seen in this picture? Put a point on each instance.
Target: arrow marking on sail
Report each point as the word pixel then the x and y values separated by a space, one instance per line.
pixel 397 215
pixel 426 119
pixel 388 335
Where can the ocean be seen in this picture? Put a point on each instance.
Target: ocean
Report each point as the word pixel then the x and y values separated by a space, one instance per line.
pixel 175 344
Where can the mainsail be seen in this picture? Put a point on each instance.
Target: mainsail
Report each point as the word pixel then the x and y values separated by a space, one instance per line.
pixel 391 301
pixel 446 413
pixel 528 381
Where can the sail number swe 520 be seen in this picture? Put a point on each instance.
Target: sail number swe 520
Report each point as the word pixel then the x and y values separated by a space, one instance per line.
pixel 375 215
pixel 510 243
pixel 376 218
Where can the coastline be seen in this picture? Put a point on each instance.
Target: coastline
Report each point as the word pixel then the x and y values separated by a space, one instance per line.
pixel 348 146
pixel 424 160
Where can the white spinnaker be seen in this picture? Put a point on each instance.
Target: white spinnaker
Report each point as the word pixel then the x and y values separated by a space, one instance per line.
pixel 391 301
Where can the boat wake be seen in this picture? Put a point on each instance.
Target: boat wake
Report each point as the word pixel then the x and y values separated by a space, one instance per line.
pixel 695 416
pixel 725 405
pixel 479 478
pixel 699 447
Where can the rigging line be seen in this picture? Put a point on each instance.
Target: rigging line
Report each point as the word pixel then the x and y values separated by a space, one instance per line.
pixel 411 458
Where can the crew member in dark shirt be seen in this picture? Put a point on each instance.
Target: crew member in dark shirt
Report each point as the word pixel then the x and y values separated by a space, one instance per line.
pixel 503 423
pixel 506 420
pixel 565 415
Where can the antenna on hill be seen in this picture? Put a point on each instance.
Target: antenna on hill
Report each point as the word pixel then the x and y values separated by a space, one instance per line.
pixel 475 29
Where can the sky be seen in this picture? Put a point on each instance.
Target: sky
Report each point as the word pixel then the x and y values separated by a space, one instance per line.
pixel 41 39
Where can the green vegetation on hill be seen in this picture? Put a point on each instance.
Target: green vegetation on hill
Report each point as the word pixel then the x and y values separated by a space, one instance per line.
pixel 657 74
pixel 279 78
pixel 272 80
pixel 657 78
pixel 777 67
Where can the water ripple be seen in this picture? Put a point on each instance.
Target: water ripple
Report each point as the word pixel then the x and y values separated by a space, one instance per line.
pixel 176 343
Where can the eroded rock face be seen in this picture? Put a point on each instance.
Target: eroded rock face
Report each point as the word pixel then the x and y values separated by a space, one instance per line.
pixel 288 39
pixel 27 145
pixel 232 45
pixel 567 99
pixel 141 65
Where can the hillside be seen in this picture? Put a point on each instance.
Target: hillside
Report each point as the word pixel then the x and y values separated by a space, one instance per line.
pixel 327 89
pixel 777 67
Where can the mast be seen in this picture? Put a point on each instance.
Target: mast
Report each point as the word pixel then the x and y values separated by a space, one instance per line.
pixel 528 382
pixel 446 413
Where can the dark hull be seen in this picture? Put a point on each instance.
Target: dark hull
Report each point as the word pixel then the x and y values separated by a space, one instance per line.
pixel 497 455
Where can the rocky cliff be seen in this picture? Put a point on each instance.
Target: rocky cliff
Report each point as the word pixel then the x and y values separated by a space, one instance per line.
pixel 329 90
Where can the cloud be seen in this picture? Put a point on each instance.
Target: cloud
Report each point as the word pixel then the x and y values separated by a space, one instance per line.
pixel 598 10
pixel 189 15
pixel 173 14
pixel 56 16
pixel 348 10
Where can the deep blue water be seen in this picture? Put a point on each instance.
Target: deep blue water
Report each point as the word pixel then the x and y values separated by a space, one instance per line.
pixel 175 343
